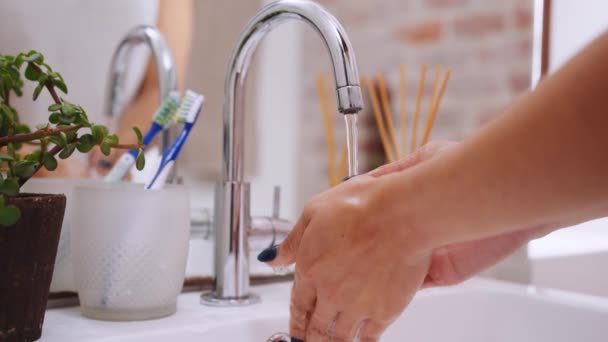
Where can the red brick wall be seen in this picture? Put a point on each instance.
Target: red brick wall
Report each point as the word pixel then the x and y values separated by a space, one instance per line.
pixel 487 44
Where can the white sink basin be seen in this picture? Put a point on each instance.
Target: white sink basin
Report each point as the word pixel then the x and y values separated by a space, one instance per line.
pixel 477 311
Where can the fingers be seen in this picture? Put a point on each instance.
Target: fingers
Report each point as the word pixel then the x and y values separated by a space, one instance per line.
pixel 285 253
pixel 345 327
pixel 371 331
pixel 321 323
pixel 303 300
pixel 455 263
pixel 424 153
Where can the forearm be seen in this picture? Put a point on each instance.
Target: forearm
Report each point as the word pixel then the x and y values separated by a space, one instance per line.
pixel 544 160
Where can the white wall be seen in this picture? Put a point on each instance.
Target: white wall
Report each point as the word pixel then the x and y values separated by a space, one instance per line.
pixel 573 25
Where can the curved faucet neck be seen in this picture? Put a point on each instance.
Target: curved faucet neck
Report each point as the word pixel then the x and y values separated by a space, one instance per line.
pixel 165 66
pixel 342 56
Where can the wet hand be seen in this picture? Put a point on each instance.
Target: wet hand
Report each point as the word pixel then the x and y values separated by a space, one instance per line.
pixel 355 270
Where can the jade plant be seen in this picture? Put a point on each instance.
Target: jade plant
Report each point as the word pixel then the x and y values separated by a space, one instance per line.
pixel 66 129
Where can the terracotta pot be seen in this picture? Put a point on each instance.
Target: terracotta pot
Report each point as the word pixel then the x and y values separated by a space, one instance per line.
pixel 27 257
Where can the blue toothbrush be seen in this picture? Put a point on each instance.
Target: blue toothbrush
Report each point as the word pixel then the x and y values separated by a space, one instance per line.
pixel 187 113
pixel 160 121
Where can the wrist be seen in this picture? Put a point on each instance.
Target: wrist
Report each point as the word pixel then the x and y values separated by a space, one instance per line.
pixel 400 199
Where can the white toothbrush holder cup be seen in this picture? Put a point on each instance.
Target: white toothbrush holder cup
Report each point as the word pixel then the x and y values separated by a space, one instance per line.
pixel 130 248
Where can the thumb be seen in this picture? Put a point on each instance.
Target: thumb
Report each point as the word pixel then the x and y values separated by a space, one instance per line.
pixel 285 253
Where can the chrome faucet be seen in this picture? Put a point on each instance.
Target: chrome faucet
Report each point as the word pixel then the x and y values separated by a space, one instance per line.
pixel 232 216
pixel 165 69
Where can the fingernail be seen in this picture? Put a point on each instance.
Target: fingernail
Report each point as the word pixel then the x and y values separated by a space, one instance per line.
pixel 293 339
pixel 268 254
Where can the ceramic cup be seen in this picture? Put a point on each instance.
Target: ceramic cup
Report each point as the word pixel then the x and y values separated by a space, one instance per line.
pixel 130 248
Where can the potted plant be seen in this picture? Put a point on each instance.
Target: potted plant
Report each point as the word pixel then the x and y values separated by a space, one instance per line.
pixel 30 224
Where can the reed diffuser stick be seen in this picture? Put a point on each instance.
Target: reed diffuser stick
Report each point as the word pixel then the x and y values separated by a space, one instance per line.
pixel 328 124
pixel 421 84
pixel 366 83
pixel 434 95
pixel 388 115
pixel 431 118
pixel 402 111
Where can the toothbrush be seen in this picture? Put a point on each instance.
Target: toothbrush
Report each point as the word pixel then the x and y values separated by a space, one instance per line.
pixel 187 113
pixel 160 121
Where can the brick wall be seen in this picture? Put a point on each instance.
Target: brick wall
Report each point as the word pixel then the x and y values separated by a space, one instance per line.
pixel 487 44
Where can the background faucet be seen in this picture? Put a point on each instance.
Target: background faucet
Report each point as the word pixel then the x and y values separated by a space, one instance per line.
pixel 165 69
pixel 232 216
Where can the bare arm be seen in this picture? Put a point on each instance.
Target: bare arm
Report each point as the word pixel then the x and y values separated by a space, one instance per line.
pixel 544 160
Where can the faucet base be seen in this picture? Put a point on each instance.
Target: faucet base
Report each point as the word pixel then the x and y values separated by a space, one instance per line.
pixel 212 299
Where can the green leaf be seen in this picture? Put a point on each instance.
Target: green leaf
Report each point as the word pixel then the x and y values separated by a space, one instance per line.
pixel 139 135
pixel 64 139
pixel 70 136
pixel 140 162
pixel 105 149
pixel 34 156
pixel 50 163
pixel 55 139
pixel 32 72
pixel 33 56
pixel 99 133
pixel 18 61
pixel 112 139
pixel 37 91
pixel 9 215
pixel 22 129
pixel 68 109
pixel 10 187
pixel 6 157
pixel 67 151
pixel 25 168
pixel 60 84
pixel 54 118
pixel 87 139
pixel 54 107
pixel 84 147
pixel 66 119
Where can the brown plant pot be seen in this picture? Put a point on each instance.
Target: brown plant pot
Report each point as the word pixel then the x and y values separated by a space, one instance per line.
pixel 27 258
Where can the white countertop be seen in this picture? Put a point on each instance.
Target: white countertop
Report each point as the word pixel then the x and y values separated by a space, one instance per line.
pixel 69 325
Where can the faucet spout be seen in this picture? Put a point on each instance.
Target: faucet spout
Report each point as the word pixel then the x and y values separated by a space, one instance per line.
pixel 348 92
pixel 165 69
pixel 232 216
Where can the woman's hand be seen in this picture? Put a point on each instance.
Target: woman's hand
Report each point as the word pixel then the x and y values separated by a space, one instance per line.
pixel 357 269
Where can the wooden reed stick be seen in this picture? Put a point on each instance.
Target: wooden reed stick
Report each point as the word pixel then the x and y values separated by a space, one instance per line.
pixel 402 111
pixel 431 118
pixel 388 115
pixel 328 124
pixel 421 84
pixel 434 94
pixel 365 82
